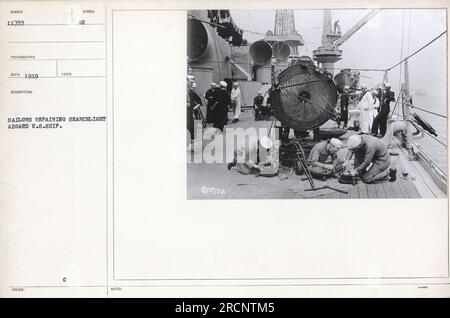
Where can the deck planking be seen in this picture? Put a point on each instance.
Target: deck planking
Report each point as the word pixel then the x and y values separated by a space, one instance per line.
pixel 287 185
pixel 238 186
pixel 381 194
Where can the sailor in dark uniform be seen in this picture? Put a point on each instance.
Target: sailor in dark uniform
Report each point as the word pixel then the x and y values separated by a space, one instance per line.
pixel 190 103
pixel 380 121
pixel 258 106
pixel 209 96
pixel 344 106
pixel 219 110
pixel 197 102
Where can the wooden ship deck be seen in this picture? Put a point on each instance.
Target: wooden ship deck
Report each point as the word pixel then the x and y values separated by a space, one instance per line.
pixel 215 181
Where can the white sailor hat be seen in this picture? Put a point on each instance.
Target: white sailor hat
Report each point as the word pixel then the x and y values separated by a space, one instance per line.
pixel 265 142
pixel 223 84
pixel 336 142
pixel 354 141
pixel 387 85
pixel 347 87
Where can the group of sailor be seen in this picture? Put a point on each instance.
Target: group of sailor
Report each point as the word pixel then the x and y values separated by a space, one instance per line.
pixel 373 109
pixel 371 159
pixel 218 99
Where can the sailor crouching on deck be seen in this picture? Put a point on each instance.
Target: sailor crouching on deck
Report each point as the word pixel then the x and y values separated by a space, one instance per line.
pixel 368 151
pixel 319 156
pixel 260 159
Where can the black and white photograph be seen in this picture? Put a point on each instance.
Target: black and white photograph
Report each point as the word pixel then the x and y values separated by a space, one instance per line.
pixel 147 147
pixel 318 104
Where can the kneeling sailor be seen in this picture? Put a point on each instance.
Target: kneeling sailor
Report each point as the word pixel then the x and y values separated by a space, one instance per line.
pixel 261 159
pixel 323 161
pixel 371 153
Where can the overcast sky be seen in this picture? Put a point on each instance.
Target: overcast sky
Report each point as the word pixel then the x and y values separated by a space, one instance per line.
pixel 376 45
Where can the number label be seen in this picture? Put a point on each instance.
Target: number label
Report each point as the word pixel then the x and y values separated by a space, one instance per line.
pixel 32 76
pixel 16 23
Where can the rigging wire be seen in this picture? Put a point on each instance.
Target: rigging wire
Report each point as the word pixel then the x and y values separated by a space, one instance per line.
pixel 219 25
pixel 304 83
pixel 315 105
pixel 427 111
pixel 330 68
pixel 193 17
pixel 409 31
pixel 401 51
pixel 396 104
pixel 253 32
pixel 433 137
pixel 358 69
pixel 400 64
pixel 411 55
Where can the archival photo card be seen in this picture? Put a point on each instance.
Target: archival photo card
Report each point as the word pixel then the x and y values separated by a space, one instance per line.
pixel 145 147
pixel 316 104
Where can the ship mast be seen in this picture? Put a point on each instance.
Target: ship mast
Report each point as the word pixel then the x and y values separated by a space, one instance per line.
pixel 406 104
pixel 329 53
